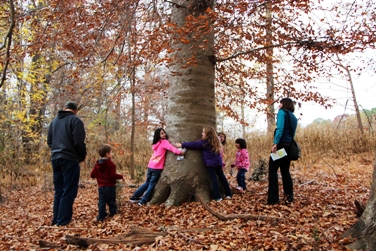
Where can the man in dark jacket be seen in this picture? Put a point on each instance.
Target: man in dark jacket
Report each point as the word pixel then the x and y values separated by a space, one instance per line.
pixel 66 138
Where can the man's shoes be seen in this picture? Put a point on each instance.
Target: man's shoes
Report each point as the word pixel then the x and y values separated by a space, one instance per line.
pixel 228 198
pixel 219 199
pixel 141 203
pixel 272 203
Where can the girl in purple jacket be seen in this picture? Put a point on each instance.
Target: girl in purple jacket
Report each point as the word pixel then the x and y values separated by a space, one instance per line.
pixel 210 146
pixel 155 167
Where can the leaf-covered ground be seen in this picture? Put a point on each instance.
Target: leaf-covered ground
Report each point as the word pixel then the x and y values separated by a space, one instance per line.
pixel 322 211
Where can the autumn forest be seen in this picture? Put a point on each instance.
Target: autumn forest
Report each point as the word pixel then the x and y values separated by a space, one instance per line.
pixel 137 65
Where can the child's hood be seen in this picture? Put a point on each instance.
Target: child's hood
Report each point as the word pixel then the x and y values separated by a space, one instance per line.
pixel 102 164
pixel 156 145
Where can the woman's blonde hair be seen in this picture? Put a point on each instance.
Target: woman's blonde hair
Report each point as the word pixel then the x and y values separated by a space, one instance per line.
pixel 212 138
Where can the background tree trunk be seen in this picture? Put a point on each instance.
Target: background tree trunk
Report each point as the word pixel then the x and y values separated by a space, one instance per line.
pixel 349 78
pixel 191 106
pixel 133 121
pixel 364 229
pixel 269 70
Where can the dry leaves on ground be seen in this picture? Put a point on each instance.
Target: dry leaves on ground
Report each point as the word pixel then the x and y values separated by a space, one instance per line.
pixel 322 211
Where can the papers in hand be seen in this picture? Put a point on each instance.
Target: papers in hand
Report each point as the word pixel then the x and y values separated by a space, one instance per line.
pixel 181 157
pixel 278 154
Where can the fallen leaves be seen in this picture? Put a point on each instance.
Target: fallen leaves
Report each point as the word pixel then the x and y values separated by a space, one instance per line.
pixel 322 211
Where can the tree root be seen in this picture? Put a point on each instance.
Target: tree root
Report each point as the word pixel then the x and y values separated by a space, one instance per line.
pixel 47 244
pixel 137 236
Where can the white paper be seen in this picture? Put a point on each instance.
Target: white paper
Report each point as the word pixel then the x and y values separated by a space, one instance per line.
pixel 181 157
pixel 278 154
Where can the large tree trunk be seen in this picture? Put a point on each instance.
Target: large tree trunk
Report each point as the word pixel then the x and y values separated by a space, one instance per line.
pixel 364 229
pixel 191 104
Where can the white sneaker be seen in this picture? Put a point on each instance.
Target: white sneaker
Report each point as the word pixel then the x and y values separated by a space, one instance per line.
pixel 239 188
pixel 219 199
pixel 228 198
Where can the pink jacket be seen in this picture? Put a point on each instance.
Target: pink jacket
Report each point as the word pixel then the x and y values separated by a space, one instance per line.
pixel 159 153
pixel 242 159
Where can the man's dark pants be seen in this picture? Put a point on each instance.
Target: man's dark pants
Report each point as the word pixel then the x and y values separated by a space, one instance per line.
pixel 66 174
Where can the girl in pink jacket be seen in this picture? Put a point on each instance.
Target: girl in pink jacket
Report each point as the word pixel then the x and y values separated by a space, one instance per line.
pixel 241 163
pixel 160 146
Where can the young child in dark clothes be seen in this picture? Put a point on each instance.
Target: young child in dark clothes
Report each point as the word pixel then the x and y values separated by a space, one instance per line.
pixel 105 173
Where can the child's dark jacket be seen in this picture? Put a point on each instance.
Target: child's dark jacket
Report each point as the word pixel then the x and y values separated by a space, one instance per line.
pixel 105 173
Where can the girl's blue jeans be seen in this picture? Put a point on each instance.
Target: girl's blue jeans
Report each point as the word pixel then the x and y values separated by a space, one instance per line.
pixel 146 190
pixel 240 178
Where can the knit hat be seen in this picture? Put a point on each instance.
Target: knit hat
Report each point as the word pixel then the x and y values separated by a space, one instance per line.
pixel 71 105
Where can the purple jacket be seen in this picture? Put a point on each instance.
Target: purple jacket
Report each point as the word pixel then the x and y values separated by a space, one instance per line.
pixel 211 159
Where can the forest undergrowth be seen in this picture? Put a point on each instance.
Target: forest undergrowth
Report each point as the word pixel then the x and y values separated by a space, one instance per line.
pixel 322 211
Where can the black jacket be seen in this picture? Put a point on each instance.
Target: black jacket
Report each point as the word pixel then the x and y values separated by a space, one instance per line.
pixel 66 137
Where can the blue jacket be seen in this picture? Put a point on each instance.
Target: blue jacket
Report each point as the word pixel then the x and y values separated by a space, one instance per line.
pixel 66 137
pixel 283 133
pixel 211 159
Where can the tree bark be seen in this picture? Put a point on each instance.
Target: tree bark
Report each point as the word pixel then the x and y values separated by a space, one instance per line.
pixel 191 103
pixel 349 78
pixel 364 229
pixel 270 116
pixel 133 121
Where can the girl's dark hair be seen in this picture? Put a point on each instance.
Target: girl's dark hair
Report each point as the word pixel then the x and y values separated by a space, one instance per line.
pixel 104 149
pixel 224 135
pixel 157 135
pixel 242 143
pixel 288 104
